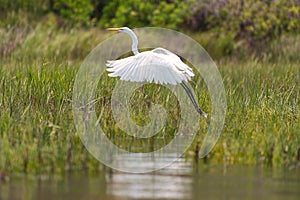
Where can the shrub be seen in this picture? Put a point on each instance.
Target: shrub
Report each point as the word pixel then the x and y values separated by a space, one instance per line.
pixel 76 12
pixel 260 20
pixel 169 15
pixel 135 13
pixel 126 13
pixel 252 19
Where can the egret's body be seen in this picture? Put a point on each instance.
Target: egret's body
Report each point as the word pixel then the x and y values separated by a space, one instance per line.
pixel 158 65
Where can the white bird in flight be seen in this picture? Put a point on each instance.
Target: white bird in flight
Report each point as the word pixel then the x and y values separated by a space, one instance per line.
pixel 158 65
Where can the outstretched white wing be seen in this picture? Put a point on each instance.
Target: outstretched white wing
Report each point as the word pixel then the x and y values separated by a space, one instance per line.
pixel 158 66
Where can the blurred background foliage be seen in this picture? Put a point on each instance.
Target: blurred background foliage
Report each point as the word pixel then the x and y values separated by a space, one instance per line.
pixel 252 23
pixel 243 18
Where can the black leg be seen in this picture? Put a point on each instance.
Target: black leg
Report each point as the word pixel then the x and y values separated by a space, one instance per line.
pixel 189 92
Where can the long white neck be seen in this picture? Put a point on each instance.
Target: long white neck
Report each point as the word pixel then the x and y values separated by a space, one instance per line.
pixel 134 41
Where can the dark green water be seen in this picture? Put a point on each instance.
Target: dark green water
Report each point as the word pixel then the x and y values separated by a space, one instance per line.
pixel 182 180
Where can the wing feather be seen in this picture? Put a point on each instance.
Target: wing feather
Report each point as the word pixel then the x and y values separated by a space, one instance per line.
pixel 158 66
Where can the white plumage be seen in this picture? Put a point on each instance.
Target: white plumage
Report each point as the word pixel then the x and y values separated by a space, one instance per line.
pixel 158 66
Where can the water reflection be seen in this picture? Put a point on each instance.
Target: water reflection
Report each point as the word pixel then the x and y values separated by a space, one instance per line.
pixel 179 181
pixel 174 182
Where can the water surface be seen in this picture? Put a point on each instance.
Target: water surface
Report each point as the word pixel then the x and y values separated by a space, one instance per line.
pixel 182 180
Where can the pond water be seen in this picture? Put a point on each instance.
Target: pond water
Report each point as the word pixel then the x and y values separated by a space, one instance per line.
pixel 181 180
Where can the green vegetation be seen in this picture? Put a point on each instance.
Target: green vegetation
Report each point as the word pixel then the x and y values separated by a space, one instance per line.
pixel 133 13
pixel 248 19
pixel 255 44
pixel 37 130
pixel 252 18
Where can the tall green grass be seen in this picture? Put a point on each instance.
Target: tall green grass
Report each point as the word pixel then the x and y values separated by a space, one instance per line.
pixel 37 132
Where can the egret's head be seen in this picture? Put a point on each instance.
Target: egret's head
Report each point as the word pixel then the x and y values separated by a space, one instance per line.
pixel 120 29
pixel 131 34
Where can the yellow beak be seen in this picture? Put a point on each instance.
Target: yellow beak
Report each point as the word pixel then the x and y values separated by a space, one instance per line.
pixel 113 29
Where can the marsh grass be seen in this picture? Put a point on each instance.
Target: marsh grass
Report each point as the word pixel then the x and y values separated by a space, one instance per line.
pixel 37 132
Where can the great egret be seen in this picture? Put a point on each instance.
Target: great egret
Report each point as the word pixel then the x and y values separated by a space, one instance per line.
pixel 158 65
